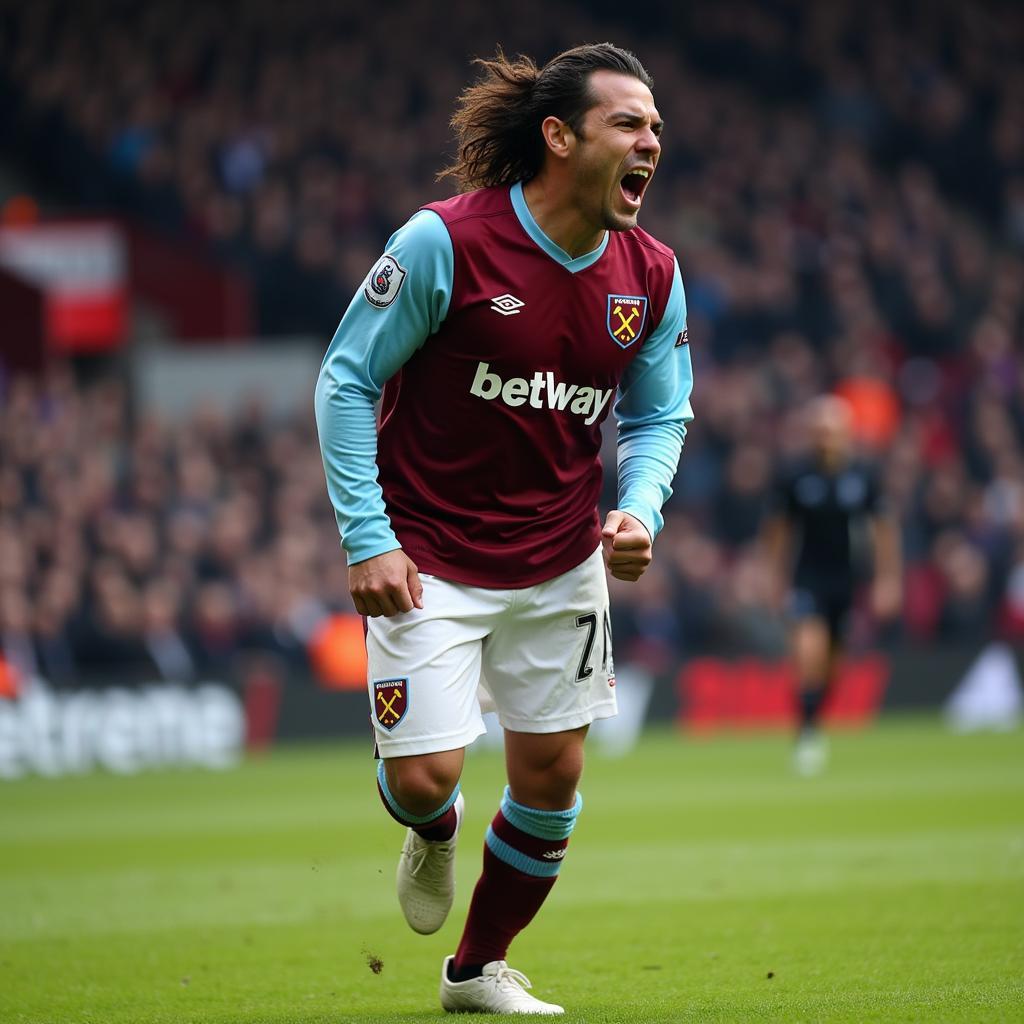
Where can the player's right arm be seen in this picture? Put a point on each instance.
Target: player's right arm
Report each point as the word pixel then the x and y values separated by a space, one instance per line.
pixel 403 300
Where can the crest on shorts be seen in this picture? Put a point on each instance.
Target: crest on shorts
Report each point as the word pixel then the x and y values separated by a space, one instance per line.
pixel 626 317
pixel 384 282
pixel 390 701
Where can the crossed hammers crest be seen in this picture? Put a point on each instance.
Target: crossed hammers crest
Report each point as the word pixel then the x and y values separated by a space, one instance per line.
pixel 624 324
pixel 389 705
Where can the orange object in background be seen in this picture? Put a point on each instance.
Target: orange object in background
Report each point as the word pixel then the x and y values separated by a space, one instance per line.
pixel 337 651
pixel 875 409
pixel 8 680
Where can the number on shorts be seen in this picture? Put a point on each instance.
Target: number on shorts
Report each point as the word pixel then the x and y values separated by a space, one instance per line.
pixel 588 622
pixel 607 640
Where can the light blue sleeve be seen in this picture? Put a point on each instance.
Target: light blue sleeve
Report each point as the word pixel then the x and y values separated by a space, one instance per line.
pixel 652 409
pixel 389 318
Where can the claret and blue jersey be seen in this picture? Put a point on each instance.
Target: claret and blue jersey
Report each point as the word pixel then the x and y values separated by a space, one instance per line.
pixel 497 356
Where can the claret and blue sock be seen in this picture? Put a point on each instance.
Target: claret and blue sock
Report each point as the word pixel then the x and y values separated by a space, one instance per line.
pixel 523 853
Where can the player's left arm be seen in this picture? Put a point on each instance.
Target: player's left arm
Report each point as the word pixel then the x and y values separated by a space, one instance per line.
pixel 652 409
pixel 887 590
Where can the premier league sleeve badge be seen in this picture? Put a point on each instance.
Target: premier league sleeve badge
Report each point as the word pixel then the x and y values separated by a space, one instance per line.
pixel 384 282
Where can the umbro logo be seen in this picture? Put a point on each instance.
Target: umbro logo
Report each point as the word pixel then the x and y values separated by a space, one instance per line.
pixel 506 305
pixel 554 854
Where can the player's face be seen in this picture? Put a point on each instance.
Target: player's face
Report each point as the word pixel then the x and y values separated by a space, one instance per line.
pixel 618 150
pixel 830 430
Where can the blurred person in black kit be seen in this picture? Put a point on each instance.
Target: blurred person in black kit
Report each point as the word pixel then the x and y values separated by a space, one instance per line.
pixel 828 526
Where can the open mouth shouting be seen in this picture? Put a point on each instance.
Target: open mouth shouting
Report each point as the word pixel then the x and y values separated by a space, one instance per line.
pixel 633 184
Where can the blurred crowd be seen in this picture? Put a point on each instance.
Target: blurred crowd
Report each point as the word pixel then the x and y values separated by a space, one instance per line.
pixel 129 546
pixel 814 151
pixel 843 182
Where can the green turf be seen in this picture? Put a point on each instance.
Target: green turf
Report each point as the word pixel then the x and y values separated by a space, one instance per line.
pixel 704 883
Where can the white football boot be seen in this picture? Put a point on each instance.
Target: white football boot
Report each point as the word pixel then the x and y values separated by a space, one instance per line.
pixel 810 756
pixel 499 989
pixel 426 877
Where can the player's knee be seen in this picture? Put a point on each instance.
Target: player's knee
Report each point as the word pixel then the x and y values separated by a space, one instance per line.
pixel 811 647
pixel 551 784
pixel 421 786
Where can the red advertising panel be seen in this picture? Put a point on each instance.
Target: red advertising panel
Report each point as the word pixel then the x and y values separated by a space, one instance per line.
pixel 81 271
pixel 749 693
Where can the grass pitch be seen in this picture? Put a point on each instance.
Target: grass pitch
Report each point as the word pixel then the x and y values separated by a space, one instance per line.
pixel 704 883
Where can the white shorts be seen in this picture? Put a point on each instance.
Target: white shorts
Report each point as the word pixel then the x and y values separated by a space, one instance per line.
pixel 540 656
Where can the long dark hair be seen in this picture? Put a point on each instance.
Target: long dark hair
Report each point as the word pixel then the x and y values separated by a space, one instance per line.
pixel 497 120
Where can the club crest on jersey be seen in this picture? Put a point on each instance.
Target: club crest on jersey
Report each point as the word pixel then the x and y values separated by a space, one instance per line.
pixel 626 317
pixel 384 282
pixel 390 701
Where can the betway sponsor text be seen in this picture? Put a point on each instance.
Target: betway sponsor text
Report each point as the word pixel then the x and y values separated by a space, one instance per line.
pixel 542 391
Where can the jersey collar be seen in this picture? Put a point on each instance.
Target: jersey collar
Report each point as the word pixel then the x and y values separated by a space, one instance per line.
pixel 556 252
